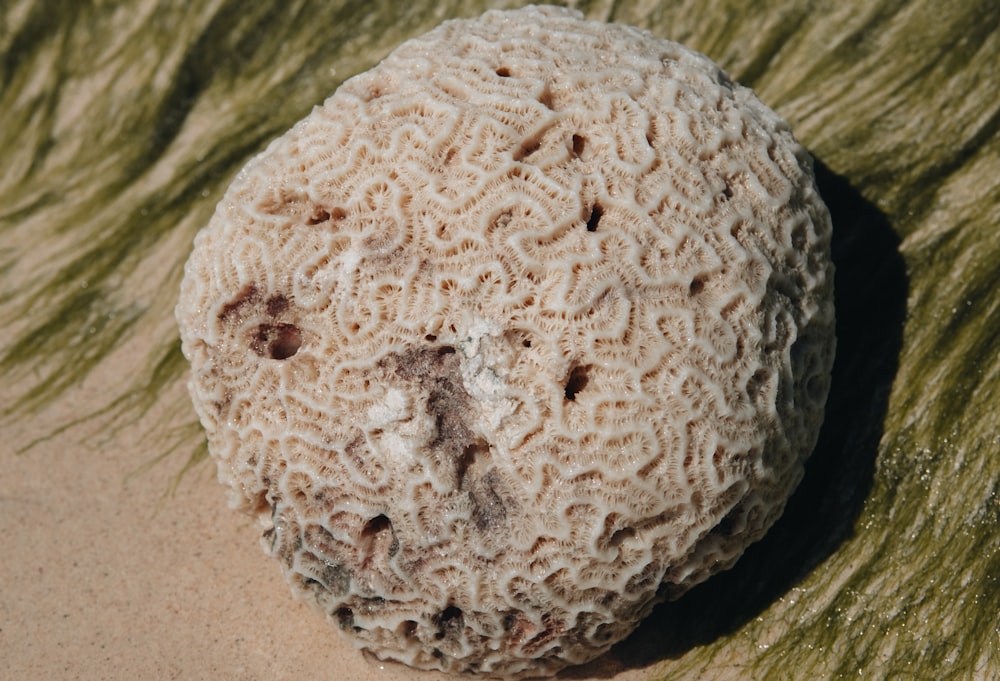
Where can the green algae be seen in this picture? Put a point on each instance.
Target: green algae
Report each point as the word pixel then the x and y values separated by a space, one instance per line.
pixel 121 125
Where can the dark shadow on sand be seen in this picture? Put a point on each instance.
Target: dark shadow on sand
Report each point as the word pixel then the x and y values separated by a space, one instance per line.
pixel 871 289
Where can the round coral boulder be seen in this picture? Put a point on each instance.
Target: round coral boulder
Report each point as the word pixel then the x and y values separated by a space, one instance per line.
pixel 521 331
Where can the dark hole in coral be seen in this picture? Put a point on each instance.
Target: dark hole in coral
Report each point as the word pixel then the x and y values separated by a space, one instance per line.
pixel 595 217
pixel 527 148
pixel 579 142
pixel 321 215
pixel 378 538
pixel 408 629
pixel 503 72
pixel 449 622
pixel 731 523
pixel 697 285
pixel 287 342
pixel 277 341
pixel 345 618
pixel 526 342
pixel 470 453
pixel 430 338
pixel 378 524
pixel 621 535
pixel 727 192
pixel 577 381
pixel 445 350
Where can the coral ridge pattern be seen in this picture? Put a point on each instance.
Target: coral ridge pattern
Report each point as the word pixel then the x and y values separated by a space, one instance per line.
pixel 520 332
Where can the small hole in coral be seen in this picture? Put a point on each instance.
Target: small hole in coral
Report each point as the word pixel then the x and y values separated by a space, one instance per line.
pixel 430 338
pixel 379 523
pixel 470 453
pixel 408 629
pixel 345 618
pixel 526 342
pixel 595 217
pixel 727 192
pixel 697 285
pixel 576 382
pixel 503 72
pixel 286 343
pixel 527 148
pixel 321 215
pixel 579 142
pixel 378 538
pixel 277 341
pixel 445 350
pixel 449 622
pixel 621 535
pixel 731 523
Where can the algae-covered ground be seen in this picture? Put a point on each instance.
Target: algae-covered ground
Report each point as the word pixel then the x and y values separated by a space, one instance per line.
pixel 121 124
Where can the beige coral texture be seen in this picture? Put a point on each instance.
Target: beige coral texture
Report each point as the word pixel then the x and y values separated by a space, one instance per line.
pixel 520 332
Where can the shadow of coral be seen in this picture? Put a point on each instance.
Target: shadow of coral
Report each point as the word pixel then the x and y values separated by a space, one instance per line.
pixel 871 289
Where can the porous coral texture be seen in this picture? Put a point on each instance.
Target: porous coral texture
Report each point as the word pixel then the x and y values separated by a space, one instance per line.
pixel 521 331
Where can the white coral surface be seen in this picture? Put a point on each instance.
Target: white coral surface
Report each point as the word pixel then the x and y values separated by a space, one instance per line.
pixel 521 331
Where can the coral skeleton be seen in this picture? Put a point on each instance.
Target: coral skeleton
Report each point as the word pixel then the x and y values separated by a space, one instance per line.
pixel 521 332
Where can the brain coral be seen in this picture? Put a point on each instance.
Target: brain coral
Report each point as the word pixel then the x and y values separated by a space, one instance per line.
pixel 521 331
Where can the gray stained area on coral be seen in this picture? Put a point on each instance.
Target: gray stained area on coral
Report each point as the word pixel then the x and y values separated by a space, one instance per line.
pixel 122 124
